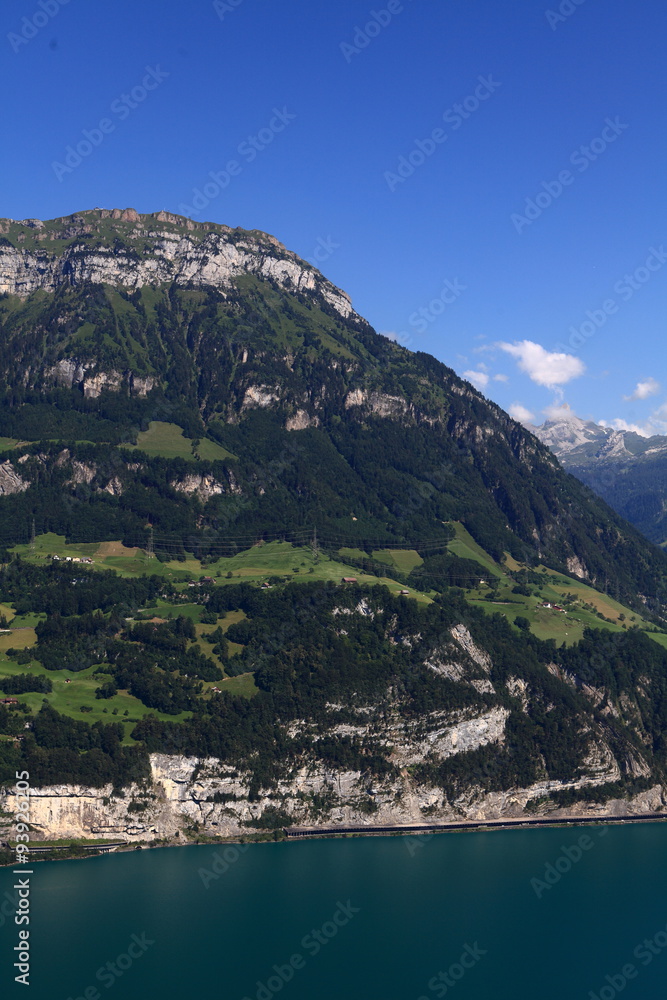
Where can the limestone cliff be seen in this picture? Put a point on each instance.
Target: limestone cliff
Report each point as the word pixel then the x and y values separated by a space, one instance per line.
pixel 188 797
pixel 138 250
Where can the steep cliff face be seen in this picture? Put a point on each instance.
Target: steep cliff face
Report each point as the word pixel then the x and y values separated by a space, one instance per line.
pixel 129 250
pixel 188 797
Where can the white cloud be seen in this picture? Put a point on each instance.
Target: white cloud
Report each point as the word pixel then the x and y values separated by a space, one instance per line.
pixel 544 367
pixel 479 379
pixel 560 411
pixel 649 387
pixel 618 424
pixel 501 378
pixel 656 423
pixel 521 413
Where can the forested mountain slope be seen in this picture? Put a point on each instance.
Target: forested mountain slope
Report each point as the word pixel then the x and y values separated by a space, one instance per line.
pixel 194 392
pixel 111 321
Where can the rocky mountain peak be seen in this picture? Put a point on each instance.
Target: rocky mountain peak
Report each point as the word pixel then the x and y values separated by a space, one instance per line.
pixel 566 432
pixel 126 249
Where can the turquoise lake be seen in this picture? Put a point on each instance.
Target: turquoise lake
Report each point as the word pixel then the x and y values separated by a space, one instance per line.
pixel 476 915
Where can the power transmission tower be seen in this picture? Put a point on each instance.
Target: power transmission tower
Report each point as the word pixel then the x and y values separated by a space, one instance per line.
pixel 32 536
pixel 316 554
pixel 151 550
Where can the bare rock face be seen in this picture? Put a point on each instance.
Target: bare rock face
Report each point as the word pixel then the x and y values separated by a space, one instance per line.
pixel 185 791
pixel 203 486
pixel 169 251
pixel 82 473
pixel 576 567
pixel 300 421
pixel 463 661
pixel 70 373
pixel 380 403
pixel 10 481
pixel 94 385
pixel 260 396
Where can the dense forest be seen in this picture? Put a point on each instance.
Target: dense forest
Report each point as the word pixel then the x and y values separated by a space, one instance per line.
pixel 308 668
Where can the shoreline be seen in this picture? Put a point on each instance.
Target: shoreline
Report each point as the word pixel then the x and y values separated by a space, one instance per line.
pixel 305 833
pixel 297 833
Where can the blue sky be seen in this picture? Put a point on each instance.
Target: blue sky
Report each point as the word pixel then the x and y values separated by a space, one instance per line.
pixel 485 179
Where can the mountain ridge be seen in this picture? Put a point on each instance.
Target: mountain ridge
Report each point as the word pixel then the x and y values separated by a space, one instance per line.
pixel 139 403
pixel 628 470
pixel 253 362
pixel 173 248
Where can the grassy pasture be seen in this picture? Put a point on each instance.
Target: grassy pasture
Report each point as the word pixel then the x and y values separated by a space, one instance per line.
pixel 167 440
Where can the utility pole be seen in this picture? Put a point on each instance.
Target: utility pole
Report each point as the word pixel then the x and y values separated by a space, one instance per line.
pixel 151 550
pixel 316 555
pixel 32 536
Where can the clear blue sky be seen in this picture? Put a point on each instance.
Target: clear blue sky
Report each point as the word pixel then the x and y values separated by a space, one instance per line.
pixel 328 181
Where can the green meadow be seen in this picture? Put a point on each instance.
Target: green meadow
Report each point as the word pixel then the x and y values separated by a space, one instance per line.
pixel 166 440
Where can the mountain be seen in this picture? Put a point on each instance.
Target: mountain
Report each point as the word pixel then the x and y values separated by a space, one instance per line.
pixel 113 322
pixel 262 565
pixel 570 434
pixel 627 470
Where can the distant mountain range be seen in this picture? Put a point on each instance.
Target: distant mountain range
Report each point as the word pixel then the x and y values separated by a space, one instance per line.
pixel 627 470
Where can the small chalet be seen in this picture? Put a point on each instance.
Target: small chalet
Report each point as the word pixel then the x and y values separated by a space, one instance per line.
pixel 349 579
pixel 10 701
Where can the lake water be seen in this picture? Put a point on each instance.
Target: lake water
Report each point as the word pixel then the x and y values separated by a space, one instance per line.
pixel 474 915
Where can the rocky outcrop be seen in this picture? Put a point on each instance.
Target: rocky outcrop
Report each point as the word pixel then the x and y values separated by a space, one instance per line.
pixel 10 481
pixel 576 567
pixel 380 403
pixel 260 395
pixel 72 373
pixel 81 473
pixel 202 486
pixel 188 796
pixel 155 249
pixel 300 421
pixel 462 661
